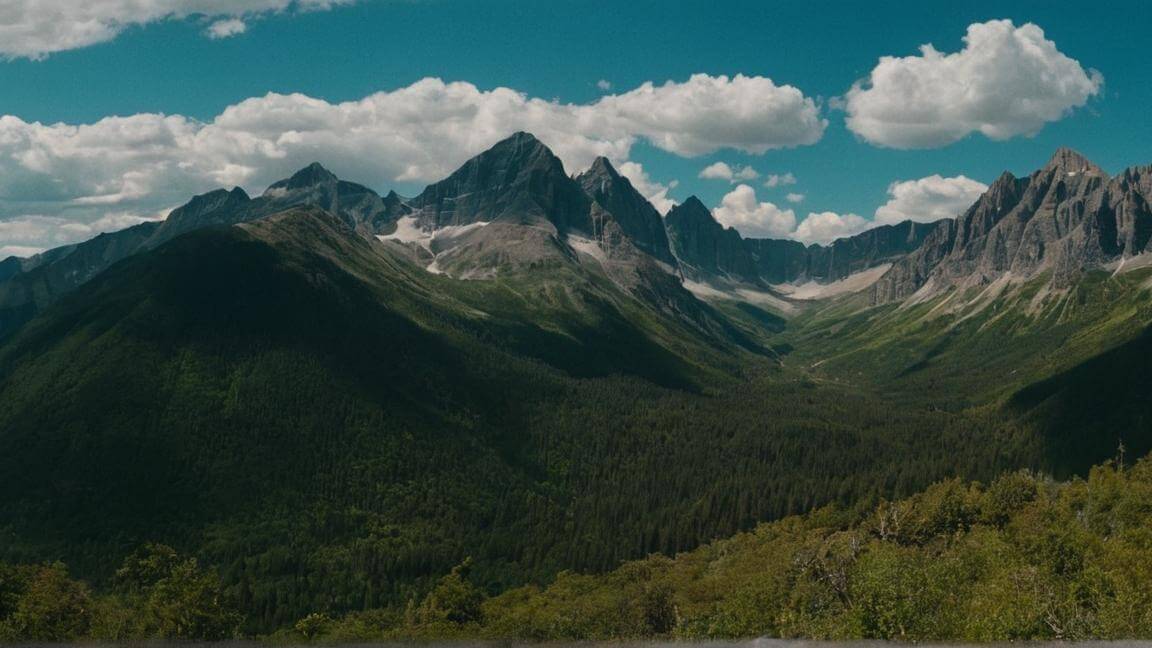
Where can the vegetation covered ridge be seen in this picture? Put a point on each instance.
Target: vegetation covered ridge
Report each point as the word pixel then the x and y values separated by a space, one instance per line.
pixel 1024 557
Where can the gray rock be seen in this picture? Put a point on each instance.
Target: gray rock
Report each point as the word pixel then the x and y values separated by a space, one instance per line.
pixel 707 249
pixel 636 217
pixel 1064 219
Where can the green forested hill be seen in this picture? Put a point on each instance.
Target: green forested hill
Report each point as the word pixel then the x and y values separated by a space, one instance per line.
pixel 1068 364
pixel 1021 558
pixel 331 428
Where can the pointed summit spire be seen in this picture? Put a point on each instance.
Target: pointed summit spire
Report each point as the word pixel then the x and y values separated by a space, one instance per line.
pixel 692 210
pixel 602 168
pixel 629 208
pixel 522 142
pixel 521 149
pixel 518 179
pixel 694 203
pixel 1066 160
pixel 310 176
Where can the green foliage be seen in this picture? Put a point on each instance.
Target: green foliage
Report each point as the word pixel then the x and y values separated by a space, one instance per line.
pixel 156 595
pixel 1021 559
pixel 44 604
pixel 331 430
pixel 313 625
pixel 454 600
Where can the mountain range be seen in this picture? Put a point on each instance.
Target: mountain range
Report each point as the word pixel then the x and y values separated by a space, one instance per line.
pixel 334 396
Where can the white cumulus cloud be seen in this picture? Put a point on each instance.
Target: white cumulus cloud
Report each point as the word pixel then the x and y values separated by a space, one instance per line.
pixel 778 179
pixel 18 251
pixel 929 199
pixel 795 198
pixel 36 28
pixel 754 219
pixel 226 28
pixel 655 192
pixel 25 236
pixel 750 114
pixel 825 227
pixel 723 171
pixel 717 171
pixel 1007 81
pixel 418 133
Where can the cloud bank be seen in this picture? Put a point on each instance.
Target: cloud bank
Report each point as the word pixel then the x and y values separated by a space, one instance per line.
pixel 722 171
pixel 419 133
pixel 741 210
pixel 1006 82
pixel 36 28
pixel 929 199
pixel 754 219
pixel 924 200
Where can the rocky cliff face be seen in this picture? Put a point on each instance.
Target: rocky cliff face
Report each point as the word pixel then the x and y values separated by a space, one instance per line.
pixel 1063 219
pixel 636 217
pixel 518 181
pixel 877 246
pixel 706 248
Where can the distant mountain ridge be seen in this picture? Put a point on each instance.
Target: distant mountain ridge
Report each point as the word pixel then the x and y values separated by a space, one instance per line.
pixel 514 206
pixel 709 250
pixel 1066 217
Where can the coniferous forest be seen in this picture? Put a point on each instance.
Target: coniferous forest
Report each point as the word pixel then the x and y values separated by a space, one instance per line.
pixel 523 321
pixel 1023 557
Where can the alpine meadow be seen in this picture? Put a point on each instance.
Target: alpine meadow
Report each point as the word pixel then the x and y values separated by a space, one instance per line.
pixel 368 321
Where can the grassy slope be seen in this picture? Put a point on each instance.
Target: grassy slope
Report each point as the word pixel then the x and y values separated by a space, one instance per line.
pixel 983 348
pixel 979 356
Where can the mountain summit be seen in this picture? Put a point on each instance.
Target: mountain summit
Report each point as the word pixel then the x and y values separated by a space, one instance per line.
pixel 310 176
pixel 637 218
pixel 1069 161
pixel 518 180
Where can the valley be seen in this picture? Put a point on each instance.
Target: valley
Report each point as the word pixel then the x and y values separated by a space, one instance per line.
pixel 333 398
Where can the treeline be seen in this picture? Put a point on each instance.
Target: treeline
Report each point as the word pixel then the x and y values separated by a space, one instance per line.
pixel 308 496
pixel 1023 558
pixel 156 594
pixel 1020 559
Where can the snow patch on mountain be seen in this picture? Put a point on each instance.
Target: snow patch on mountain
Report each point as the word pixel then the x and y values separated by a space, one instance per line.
pixel 853 283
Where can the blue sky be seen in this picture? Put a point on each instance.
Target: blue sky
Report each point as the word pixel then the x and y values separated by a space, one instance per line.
pixel 560 50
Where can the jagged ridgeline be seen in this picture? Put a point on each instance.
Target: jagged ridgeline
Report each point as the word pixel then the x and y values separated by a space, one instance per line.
pixel 331 397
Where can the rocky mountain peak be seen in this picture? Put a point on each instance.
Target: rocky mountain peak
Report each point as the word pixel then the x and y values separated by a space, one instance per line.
pixel 1066 160
pixel 520 147
pixel 704 247
pixel 310 176
pixel 693 208
pixel 602 169
pixel 518 179
pixel 637 218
